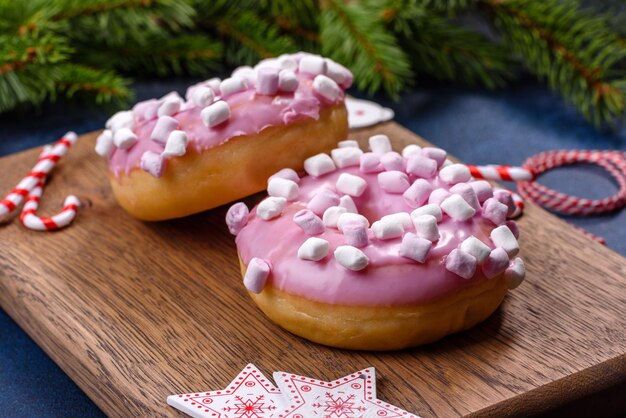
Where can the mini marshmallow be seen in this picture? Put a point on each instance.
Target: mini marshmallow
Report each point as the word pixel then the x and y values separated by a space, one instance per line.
pixel 237 217
pixel 286 173
pixel 346 156
pixel 496 263
pixel 411 150
pixel 104 143
pixel 310 223
pixel 312 64
pixel 326 87
pixel 214 83
pixel 392 161
pixel 348 217
pixel 393 181
pixel 483 190
pixel 176 145
pixel 163 128
pixel 494 211
pixel 370 163
pixel 124 138
pixel 351 257
pixel 279 187
pixel 267 81
pixel 387 229
pixel 457 208
pixel 436 154
pixel 348 143
pixel 271 207
pixel 426 227
pixel 123 119
pixel 477 248
pixel 287 63
pixel 171 95
pixel 152 163
pixel 287 81
pixel 467 193
pixel 319 165
pixel 513 227
pixel 171 105
pixel 380 144
pixel 438 196
pixel 355 233
pixel 268 63
pixel 146 110
pixel 331 216
pixel 351 185
pixel 403 217
pixel 414 247
pixel 455 173
pixel 215 114
pixel 461 263
pixel 340 74
pixel 202 96
pixel 313 249
pixel 348 203
pixel 505 197
pixel 322 200
pixel 246 73
pixel 257 272
pixel 232 85
pixel 430 209
pixel 503 237
pixel 417 193
pixel 421 166
pixel 514 275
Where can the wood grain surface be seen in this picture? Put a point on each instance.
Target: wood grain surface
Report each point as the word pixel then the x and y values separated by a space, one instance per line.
pixel 136 311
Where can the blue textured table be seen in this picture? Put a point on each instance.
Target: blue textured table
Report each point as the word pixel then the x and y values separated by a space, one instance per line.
pixel 480 127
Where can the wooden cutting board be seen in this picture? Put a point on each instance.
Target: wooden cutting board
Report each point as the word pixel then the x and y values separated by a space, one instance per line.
pixel 135 311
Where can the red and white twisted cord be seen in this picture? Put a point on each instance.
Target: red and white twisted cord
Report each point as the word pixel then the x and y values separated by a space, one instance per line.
pixel 612 161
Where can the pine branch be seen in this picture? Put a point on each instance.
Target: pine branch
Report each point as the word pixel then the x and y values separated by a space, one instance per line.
pixel 449 7
pixel 444 50
pixel 116 22
pixel 576 53
pixel 105 86
pixel 298 18
pixel 190 54
pixel 248 38
pixel 356 37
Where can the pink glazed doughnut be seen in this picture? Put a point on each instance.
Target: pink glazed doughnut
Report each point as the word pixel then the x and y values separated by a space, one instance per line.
pixel 377 250
pixel 175 156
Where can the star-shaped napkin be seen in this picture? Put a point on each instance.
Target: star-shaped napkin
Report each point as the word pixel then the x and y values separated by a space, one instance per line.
pixel 252 395
pixel 352 396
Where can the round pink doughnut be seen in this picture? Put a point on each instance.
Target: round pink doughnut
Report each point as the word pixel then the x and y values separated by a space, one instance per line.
pixel 395 301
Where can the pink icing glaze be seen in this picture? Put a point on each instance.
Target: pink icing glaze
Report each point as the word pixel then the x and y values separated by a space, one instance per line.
pixel 250 113
pixel 388 280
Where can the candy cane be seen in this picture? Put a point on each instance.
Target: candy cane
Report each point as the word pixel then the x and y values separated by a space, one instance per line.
pixel 612 161
pixel 62 219
pixel 45 163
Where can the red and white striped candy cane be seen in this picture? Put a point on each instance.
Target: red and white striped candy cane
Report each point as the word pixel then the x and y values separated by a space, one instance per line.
pixel 46 162
pixel 31 220
pixel 612 161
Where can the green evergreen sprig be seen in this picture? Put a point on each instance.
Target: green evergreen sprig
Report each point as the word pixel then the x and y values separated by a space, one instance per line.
pixel 91 48
pixel 355 35
pixel 575 52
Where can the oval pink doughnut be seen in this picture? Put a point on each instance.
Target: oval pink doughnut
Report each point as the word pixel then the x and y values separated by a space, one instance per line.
pixel 175 156
pixel 400 272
